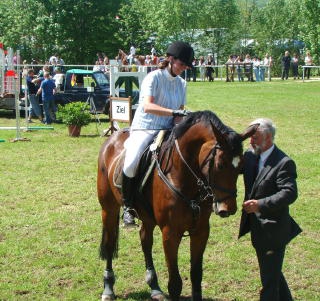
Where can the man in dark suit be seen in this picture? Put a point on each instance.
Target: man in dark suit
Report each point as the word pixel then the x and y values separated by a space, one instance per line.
pixel 270 187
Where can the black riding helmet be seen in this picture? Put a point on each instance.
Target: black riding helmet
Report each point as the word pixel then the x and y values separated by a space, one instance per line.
pixel 182 51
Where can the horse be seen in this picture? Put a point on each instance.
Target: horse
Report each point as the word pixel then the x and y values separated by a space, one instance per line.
pixel 195 173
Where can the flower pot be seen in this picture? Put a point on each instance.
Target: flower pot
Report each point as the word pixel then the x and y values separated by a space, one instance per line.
pixel 74 130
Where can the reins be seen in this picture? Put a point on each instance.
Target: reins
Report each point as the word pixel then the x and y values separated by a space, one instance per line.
pixel 204 188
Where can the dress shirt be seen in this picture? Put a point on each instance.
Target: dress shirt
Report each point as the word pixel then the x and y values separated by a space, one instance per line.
pixel 264 156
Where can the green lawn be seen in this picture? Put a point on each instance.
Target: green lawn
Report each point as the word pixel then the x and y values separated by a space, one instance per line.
pixel 50 216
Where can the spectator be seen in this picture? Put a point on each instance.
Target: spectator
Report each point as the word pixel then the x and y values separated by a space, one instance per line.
pixel 97 66
pixel 239 68
pixel 295 66
pixel 32 89
pixel 285 62
pixel 48 89
pixel 132 54
pixel 248 67
pixel 266 65
pixel 58 79
pixel 44 69
pixel 209 69
pixel 106 64
pixel 25 69
pixel 231 68
pixel 308 62
pixel 60 63
pixel 256 68
pixel 194 70
pixel 52 58
pixel 153 51
pixel 202 68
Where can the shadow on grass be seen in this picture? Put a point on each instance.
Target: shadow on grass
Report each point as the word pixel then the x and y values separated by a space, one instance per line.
pixel 145 296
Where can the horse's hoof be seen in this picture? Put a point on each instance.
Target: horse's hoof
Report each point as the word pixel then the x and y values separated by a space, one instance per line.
pixel 158 297
pixel 108 297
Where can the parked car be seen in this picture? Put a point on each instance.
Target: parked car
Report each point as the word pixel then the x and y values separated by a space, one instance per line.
pixel 89 86
pixel 82 85
pixel 86 86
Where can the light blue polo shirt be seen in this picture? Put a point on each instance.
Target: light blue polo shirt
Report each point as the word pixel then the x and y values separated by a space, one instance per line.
pixel 168 92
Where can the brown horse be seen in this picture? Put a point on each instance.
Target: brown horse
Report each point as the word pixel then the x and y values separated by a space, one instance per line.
pixel 196 173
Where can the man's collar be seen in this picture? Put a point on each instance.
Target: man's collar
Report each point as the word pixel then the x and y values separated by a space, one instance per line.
pixel 266 154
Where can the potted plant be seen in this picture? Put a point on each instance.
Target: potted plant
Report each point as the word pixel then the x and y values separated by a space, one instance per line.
pixel 74 115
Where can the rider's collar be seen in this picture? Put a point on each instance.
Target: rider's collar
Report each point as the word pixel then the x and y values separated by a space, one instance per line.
pixel 168 75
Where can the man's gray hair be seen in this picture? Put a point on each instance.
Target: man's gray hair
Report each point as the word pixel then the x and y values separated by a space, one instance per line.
pixel 266 126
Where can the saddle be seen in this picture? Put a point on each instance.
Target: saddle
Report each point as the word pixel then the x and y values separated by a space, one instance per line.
pixel 146 164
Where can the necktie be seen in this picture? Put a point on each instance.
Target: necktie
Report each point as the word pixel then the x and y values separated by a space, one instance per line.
pixel 256 167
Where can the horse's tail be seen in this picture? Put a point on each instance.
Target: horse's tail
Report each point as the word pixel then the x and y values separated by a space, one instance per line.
pixel 105 248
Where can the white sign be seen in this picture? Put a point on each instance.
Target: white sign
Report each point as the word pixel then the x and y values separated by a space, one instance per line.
pixel 120 110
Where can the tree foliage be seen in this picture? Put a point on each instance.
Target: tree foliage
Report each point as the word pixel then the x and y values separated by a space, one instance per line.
pixel 77 30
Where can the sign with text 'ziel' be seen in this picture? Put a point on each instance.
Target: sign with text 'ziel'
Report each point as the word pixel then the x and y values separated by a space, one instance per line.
pixel 121 110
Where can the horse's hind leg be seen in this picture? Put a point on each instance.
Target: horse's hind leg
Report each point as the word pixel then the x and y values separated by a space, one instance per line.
pixel 110 234
pixel 146 237
pixel 108 250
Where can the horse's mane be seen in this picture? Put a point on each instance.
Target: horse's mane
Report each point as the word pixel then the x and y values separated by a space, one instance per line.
pixel 208 119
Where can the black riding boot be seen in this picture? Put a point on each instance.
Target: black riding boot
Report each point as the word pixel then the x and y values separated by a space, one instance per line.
pixel 127 198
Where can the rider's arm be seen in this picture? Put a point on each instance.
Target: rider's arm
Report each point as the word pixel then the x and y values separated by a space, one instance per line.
pixel 150 107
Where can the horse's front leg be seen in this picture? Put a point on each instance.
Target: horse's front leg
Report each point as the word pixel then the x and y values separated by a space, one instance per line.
pixel 198 242
pixel 171 241
pixel 146 237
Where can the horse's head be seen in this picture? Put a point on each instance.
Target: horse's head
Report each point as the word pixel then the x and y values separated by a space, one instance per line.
pixel 224 166
pixel 213 155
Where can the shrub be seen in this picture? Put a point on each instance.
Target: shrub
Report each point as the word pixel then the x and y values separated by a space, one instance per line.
pixel 74 113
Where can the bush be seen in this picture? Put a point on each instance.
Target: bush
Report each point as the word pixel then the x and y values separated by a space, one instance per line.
pixel 74 113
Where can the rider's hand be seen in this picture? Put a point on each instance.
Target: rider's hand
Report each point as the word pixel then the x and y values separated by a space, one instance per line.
pixel 180 113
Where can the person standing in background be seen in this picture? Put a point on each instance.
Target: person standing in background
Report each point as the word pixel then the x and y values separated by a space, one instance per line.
pixel 308 62
pixel 35 108
pixel 48 89
pixel 267 63
pixel 285 62
pixel 295 66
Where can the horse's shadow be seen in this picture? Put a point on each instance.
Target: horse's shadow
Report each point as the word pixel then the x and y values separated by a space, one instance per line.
pixel 145 296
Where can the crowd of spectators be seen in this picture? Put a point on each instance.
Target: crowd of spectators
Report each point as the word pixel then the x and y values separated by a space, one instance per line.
pixel 203 68
pixel 250 68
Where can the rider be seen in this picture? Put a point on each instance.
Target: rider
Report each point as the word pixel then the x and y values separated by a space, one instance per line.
pixel 162 98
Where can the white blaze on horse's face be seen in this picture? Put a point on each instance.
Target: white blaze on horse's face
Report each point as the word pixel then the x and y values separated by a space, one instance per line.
pixel 236 161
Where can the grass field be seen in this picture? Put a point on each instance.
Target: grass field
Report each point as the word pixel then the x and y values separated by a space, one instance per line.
pixel 50 217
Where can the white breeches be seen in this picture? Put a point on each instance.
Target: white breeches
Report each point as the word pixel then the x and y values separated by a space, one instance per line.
pixel 135 146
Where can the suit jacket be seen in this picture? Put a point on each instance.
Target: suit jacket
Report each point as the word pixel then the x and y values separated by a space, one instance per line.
pixel 275 189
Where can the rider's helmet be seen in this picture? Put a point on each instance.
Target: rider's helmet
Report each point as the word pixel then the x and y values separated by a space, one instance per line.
pixel 182 51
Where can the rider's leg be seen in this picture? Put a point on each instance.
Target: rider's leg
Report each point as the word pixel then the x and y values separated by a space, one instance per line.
pixel 134 145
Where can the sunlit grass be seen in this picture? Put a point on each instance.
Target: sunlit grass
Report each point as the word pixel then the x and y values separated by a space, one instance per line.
pixel 50 217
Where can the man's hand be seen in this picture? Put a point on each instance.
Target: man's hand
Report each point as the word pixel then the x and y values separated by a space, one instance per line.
pixel 180 113
pixel 251 206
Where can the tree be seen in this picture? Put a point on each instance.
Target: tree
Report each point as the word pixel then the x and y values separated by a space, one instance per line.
pixel 310 28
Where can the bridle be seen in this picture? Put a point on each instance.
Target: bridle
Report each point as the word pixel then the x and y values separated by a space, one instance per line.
pixel 206 192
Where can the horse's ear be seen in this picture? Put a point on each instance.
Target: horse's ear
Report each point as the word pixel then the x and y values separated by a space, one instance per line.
pixel 221 138
pixel 250 130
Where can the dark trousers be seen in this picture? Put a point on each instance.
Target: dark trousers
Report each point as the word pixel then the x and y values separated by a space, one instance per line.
pixel 307 72
pixel 285 72
pixel 274 285
pixel 295 71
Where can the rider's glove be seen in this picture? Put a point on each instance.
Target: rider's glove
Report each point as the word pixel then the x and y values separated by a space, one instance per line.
pixel 180 113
